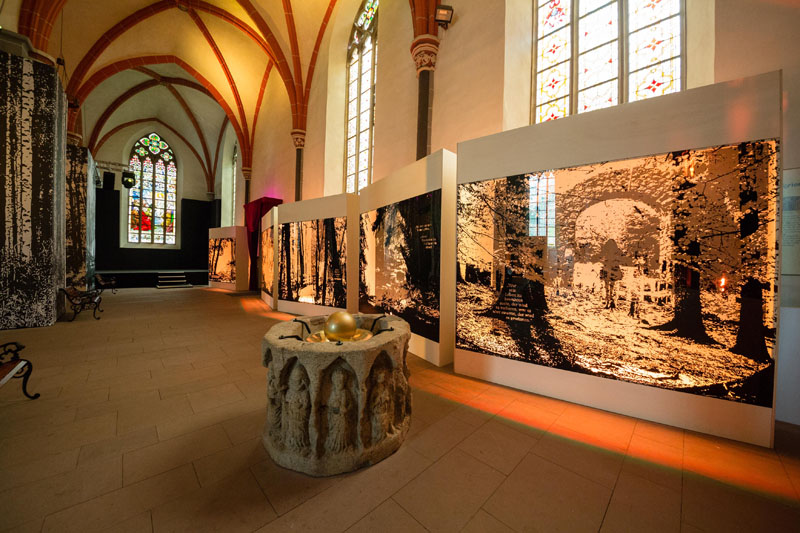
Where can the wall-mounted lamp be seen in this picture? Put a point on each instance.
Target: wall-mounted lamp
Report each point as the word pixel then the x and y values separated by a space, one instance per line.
pixel 128 179
pixel 444 15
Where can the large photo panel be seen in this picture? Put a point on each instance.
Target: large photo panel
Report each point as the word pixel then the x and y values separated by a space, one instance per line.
pixel 222 260
pixel 267 261
pixel 658 270
pixel 313 262
pixel 399 264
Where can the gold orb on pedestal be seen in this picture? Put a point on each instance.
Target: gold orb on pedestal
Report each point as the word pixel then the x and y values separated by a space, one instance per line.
pixel 340 326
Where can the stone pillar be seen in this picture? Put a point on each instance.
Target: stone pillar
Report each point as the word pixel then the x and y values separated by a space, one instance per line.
pixel 80 214
pixel 247 172
pixel 32 251
pixel 299 138
pixel 424 50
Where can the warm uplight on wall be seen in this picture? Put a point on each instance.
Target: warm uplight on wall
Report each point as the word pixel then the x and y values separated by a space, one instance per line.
pixel 444 15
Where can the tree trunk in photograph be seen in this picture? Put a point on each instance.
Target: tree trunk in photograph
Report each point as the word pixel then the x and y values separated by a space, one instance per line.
pixel 326 267
pixel 339 297
pixel 424 111
pixel 750 340
pixel 301 259
pixel 316 260
pixel 287 259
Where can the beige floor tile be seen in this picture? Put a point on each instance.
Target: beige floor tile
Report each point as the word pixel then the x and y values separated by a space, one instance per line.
pixel 542 496
pixel 30 471
pixel 115 446
pixel 215 397
pixel 714 506
pixel 349 500
pixel 176 426
pixel 151 412
pixel 36 500
pixel 128 402
pixel 655 461
pixel 600 428
pixel 531 416
pixel 641 505
pixel 429 407
pixel 146 462
pixel 254 388
pixel 247 426
pixel 229 461
pixel 498 445
pixel 122 507
pixel 232 505
pixel 446 495
pixel 141 523
pixel 669 435
pixel 597 464
pixel 388 517
pixel 286 489
pixel 483 522
pixel 55 439
pixel 440 437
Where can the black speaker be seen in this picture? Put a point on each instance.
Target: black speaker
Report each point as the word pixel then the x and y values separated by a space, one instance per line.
pixel 108 180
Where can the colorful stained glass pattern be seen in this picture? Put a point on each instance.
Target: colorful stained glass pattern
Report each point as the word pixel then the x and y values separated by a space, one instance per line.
pixel 599 96
pixel 599 27
pixel 655 43
pixel 598 65
pixel 642 13
pixel 660 79
pixel 153 197
pixel 553 15
pixel 553 49
pixel 552 110
pixel 362 58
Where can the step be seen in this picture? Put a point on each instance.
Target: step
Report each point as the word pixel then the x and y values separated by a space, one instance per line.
pixel 182 286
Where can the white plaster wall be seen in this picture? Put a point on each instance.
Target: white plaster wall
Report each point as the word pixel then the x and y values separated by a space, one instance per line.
pixel 396 92
pixel 273 150
pixel 753 36
pixel 10 15
pixel 468 84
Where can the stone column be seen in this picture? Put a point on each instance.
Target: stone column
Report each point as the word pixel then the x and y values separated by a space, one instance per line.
pixel 247 172
pixel 424 50
pixel 299 138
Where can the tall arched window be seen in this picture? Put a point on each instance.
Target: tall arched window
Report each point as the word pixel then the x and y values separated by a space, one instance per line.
pixel 362 54
pixel 591 54
pixel 152 199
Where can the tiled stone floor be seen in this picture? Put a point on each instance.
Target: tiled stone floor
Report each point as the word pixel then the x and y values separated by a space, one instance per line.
pixel 149 420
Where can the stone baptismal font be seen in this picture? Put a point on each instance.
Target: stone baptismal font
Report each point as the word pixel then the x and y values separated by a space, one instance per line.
pixel 338 397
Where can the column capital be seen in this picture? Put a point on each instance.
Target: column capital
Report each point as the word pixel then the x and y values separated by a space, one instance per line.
pixel 424 49
pixel 247 172
pixel 74 138
pixel 299 138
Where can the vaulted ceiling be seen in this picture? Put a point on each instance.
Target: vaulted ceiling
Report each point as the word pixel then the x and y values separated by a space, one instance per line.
pixel 195 66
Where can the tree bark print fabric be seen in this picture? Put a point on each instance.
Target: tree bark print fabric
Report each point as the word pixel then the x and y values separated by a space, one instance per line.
pixel 312 260
pixel 399 262
pixel 32 134
pixel 80 216
pixel 267 260
pixel 659 270
pixel 222 260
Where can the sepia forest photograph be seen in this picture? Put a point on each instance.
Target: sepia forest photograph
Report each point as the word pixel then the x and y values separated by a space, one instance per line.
pixel 221 260
pixel 659 270
pixel 267 260
pixel 312 261
pixel 399 262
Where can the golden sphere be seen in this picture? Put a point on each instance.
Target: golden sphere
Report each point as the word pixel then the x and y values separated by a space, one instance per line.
pixel 340 326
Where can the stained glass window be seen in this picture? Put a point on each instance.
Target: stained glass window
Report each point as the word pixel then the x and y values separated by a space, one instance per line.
pixel 362 55
pixel 153 199
pixel 580 46
pixel 542 207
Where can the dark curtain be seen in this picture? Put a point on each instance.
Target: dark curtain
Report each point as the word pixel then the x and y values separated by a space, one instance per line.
pixel 253 212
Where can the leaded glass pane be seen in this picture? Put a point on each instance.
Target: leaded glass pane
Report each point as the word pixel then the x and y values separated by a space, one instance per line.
pixel 363 160
pixel 553 83
pixel 644 12
pixel 170 239
pixel 153 197
pixel 553 49
pixel 655 43
pixel 352 91
pixel 364 122
pixel 552 110
pixel 552 16
pixel 351 127
pixel 363 179
pixel 598 28
pixel 133 237
pixel 158 238
pixel 663 78
pixel 598 65
pixel 351 164
pixel 599 96
pixel 354 70
pixel 146 237
pixel 351 183
pixel 352 108
pixel 351 145
pixel 590 5
pixel 366 62
pixel 365 98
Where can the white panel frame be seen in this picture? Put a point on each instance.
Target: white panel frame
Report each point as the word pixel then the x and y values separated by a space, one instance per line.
pixel 339 205
pixel 436 171
pixel 270 220
pixel 239 236
pixel 726 113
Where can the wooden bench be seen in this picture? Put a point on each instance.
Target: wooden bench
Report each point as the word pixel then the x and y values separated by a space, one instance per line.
pixel 104 283
pixel 11 366
pixel 80 300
